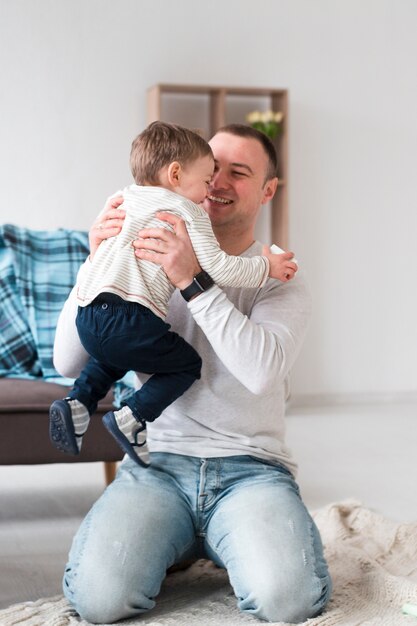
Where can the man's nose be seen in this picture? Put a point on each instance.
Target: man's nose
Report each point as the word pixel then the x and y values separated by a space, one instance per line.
pixel 219 180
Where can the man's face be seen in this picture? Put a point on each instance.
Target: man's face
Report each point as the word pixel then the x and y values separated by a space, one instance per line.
pixel 237 189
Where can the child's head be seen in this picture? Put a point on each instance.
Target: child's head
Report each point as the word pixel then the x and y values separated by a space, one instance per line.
pixel 174 157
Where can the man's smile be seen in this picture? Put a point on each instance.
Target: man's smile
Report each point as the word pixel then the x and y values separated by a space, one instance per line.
pixel 218 199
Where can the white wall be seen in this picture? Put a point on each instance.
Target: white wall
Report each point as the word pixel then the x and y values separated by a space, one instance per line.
pixel 74 75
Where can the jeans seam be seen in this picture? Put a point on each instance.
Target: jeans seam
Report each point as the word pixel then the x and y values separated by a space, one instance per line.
pixel 72 588
pixel 321 587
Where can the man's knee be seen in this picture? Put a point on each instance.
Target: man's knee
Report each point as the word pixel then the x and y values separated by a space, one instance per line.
pixel 286 602
pixel 104 608
pixel 95 612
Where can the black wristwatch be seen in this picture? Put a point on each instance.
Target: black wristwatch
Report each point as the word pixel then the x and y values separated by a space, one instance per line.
pixel 201 282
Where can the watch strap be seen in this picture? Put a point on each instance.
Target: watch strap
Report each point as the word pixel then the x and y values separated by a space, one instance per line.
pixel 201 282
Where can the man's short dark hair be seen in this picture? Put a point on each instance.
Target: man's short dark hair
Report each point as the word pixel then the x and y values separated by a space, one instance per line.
pixel 242 130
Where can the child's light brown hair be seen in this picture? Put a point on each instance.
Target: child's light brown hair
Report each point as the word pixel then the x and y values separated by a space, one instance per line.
pixel 159 145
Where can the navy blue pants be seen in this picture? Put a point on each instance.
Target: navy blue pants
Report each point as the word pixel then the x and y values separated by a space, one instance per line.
pixel 121 336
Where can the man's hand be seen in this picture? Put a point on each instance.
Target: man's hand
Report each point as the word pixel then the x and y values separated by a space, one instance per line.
pixel 108 224
pixel 172 250
pixel 281 266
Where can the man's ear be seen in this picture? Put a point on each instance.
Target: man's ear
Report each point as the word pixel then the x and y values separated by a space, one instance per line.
pixel 174 173
pixel 269 189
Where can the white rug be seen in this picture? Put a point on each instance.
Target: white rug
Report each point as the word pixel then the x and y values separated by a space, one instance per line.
pixel 373 562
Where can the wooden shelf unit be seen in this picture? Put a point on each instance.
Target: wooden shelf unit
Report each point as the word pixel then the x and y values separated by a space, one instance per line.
pixel 277 100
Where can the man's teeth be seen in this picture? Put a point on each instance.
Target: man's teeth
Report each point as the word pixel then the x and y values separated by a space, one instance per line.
pixel 221 200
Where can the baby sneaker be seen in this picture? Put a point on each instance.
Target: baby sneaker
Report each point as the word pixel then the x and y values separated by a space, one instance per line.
pixel 126 429
pixel 68 421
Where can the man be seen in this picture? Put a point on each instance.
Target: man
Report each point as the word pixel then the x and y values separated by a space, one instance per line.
pixel 221 481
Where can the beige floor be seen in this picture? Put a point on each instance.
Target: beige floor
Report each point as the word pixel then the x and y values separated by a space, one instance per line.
pixel 363 452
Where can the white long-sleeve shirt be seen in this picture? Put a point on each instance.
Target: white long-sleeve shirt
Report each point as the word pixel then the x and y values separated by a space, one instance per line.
pixel 248 340
pixel 117 270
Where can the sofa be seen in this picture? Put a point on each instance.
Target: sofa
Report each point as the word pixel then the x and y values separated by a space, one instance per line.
pixel 37 272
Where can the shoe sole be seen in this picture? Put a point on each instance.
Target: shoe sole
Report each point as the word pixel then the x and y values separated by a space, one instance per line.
pixel 61 427
pixel 110 423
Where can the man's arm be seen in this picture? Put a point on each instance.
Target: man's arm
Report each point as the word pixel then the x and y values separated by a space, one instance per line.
pixel 69 355
pixel 258 350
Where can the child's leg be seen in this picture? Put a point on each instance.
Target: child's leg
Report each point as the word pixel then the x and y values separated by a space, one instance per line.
pixel 69 418
pixel 176 372
pixel 159 391
pixel 177 366
pixel 94 382
pixel 128 336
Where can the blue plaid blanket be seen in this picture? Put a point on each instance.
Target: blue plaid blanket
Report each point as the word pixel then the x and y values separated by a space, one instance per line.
pixel 37 271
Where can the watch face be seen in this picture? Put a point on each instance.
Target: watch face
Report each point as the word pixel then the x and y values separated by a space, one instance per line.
pixel 204 280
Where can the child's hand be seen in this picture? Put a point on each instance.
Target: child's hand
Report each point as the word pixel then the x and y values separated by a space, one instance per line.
pixel 281 266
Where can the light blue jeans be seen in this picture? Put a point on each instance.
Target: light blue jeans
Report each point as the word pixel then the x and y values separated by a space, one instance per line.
pixel 244 514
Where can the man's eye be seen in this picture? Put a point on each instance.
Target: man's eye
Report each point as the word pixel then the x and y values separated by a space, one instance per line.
pixel 237 173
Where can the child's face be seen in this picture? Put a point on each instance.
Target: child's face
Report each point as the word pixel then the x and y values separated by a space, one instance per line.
pixel 195 179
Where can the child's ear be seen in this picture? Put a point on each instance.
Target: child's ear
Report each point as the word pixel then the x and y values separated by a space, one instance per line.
pixel 174 173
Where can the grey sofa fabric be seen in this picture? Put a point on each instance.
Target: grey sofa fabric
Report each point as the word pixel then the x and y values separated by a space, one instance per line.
pixel 24 426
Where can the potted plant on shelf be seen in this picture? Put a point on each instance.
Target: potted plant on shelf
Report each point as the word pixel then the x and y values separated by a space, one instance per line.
pixel 268 122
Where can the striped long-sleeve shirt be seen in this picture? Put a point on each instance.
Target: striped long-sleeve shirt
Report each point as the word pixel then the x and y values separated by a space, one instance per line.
pixel 116 269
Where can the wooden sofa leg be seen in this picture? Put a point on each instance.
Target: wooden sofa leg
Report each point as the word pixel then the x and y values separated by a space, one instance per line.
pixel 110 468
